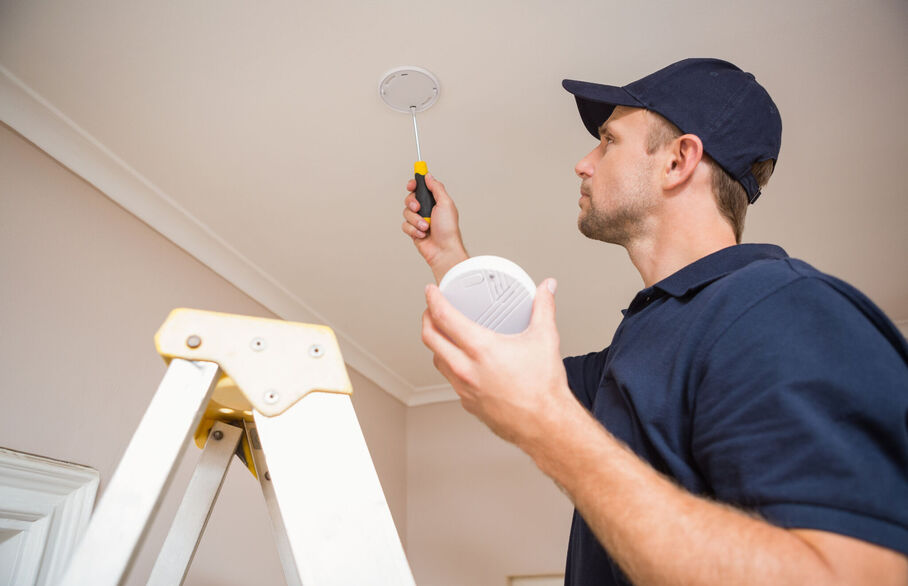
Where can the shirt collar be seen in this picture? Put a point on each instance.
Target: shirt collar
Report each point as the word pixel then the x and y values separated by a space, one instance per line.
pixel 704 271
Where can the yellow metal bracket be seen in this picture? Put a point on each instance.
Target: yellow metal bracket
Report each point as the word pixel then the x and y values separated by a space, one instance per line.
pixel 269 364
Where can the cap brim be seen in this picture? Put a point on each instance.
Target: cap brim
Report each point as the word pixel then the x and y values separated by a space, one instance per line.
pixel 595 102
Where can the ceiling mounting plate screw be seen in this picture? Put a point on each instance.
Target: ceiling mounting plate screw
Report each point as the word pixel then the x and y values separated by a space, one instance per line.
pixel 193 341
pixel 257 344
pixel 218 435
pixel 316 351
pixel 271 397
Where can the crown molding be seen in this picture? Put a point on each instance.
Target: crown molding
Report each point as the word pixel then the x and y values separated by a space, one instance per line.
pixel 432 394
pixel 39 122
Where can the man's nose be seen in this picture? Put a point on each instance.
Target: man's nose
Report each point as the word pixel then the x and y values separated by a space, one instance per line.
pixel 584 167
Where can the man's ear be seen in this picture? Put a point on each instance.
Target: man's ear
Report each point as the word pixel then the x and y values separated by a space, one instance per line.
pixel 685 153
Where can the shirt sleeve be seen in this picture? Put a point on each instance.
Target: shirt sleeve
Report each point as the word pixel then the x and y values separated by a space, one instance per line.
pixel 802 415
pixel 584 374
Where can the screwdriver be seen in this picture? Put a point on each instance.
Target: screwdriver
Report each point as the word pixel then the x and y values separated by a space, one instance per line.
pixel 423 195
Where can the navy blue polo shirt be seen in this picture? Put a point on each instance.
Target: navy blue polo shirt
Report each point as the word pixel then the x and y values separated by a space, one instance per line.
pixel 752 378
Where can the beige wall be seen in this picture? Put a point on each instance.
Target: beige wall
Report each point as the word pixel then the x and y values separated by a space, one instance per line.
pixel 478 509
pixel 83 287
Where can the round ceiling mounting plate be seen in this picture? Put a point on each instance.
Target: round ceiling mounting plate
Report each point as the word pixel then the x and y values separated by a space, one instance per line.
pixel 406 87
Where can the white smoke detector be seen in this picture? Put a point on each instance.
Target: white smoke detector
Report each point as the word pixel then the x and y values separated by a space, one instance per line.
pixel 492 291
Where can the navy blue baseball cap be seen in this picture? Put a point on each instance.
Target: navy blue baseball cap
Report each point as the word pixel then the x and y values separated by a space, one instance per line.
pixel 732 114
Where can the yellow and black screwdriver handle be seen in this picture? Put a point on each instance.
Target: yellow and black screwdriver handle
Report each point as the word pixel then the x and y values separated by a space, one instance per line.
pixel 423 195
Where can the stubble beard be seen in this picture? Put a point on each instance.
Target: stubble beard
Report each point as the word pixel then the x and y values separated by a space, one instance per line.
pixel 617 227
pixel 626 221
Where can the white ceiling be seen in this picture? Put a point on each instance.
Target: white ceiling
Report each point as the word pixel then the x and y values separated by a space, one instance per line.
pixel 262 121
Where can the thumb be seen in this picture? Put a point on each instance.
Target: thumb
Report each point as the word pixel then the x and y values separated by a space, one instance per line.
pixel 544 305
pixel 437 188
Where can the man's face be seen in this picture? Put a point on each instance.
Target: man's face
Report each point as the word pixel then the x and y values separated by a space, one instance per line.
pixel 619 179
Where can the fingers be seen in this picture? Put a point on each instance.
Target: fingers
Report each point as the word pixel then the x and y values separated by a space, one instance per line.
pixel 544 304
pixel 415 220
pixel 411 231
pixel 458 328
pixel 444 220
pixel 410 202
pixel 414 226
pixel 438 191
pixel 449 359
pixel 437 188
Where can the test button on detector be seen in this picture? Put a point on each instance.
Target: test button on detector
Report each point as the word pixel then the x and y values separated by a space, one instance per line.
pixel 473 280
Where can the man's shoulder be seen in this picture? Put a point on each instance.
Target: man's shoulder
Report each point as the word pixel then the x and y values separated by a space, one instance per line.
pixel 765 280
pixel 786 268
pixel 767 275
pixel 772 293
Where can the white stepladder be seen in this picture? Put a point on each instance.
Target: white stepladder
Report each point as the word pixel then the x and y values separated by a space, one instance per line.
pixel 277 394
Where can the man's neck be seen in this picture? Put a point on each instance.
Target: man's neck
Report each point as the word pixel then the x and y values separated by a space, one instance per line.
pixel 668 251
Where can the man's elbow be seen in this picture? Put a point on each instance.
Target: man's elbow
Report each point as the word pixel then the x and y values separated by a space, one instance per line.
pixel 852 561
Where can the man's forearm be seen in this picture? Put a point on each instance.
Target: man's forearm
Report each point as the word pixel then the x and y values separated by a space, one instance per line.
pixel 656 531
pixel 446 261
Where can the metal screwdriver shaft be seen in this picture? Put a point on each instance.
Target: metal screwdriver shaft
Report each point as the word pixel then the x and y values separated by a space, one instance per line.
pixel 416 132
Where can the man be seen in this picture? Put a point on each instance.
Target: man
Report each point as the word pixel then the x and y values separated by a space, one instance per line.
pixel 748 423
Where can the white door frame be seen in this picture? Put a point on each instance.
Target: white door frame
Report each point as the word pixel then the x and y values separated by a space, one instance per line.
pixel 45 505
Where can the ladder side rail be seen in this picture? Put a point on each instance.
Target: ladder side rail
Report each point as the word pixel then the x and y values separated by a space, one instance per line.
pixel 195 509
pixel 120 522
pixel 288 563
pixel 334 510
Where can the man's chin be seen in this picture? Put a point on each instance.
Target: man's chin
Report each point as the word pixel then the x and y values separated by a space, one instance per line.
pixel 599 230
pixel 583 224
